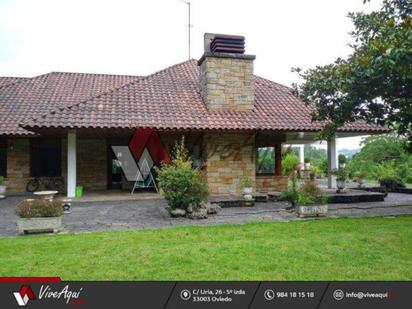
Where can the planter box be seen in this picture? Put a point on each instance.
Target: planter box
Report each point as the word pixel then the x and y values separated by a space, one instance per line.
pixel 2 190
pixel 37 225
pixel 312 211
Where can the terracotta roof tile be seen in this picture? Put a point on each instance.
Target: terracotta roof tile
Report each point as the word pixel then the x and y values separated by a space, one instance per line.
pixel 32 97
pixel 168 99
pixel 6 80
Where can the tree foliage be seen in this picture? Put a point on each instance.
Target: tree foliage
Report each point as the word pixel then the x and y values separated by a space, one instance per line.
pixel 374 83
pixel 381 156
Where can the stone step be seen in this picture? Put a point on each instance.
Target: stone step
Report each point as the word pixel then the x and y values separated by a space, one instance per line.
pixel 260 197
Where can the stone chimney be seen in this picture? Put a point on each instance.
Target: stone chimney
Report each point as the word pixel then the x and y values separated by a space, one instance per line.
pixel 226 73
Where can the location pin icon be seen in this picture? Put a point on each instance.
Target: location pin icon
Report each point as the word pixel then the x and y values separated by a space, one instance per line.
pixel 185 294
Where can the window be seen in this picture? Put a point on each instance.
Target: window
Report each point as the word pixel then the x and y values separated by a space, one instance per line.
pixel 45 158
pixel 3 157
pixel 265 160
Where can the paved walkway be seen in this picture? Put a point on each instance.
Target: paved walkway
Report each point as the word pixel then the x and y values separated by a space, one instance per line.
pixel 122 215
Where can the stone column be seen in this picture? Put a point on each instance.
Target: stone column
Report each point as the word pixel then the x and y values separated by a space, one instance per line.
pixel 332 162
pixel 71 163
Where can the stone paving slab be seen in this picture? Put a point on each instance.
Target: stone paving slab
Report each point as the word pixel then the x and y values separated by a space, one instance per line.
pixel 127 214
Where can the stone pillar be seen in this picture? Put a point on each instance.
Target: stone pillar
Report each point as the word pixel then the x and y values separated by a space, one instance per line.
pixel 71 163
pixel 332 162
pixel 229 158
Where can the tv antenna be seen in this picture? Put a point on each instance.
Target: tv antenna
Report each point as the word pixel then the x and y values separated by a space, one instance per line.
pixel 189 25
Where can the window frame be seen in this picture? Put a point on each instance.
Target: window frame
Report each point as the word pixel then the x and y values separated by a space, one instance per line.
pixel 274 162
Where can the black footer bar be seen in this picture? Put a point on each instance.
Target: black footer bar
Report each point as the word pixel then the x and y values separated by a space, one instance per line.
pixel 193 295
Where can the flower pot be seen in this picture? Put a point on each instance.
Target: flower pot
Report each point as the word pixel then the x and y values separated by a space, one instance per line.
pixel 41 224
pixel 312 210
pixel 361 181
pixel 307 166
pixel 247 193
pixel 2 190
pixel 340 184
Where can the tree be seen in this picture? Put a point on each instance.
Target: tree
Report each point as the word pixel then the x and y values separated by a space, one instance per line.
pixel 383 153
pixel 374 83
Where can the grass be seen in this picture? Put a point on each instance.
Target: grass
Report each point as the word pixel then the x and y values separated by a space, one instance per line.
pixel 328 249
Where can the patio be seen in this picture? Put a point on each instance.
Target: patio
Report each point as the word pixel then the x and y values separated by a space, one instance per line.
pixel 150 213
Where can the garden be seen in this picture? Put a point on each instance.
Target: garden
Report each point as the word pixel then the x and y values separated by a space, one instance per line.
pixel 329 249
pixel 382 160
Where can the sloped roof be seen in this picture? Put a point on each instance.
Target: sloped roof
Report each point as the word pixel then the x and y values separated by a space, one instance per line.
pixel 32 97
pixel 170 99
pixel 6 80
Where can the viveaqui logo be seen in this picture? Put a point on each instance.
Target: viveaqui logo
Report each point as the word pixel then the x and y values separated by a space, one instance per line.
pixel 46 292
pixel 24 295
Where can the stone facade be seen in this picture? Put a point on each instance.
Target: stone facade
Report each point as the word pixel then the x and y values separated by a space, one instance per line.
pixel 227 81
pixel 91 163
pixel 229 157
pixel 270 183
pixel 18 165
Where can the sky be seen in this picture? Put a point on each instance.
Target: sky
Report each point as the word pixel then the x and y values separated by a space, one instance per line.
pixel 140 37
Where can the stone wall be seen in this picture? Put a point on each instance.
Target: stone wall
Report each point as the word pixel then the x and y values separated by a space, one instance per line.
pixel 229 157
pixel 18 165
pixel 227 82
pixel 91 163
pixel 269 183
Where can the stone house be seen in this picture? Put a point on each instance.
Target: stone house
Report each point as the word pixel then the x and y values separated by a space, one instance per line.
pixel 64 124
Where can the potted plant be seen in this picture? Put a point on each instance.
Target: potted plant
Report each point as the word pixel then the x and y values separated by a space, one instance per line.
pixel 310 201
pixel 39 215
pixel 360 178
pixel 307 163
pixel 342 161
pixel 341 177
pixel 247 188
pixel 2 186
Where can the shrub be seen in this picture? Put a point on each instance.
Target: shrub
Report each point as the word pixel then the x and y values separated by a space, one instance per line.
pixel 342 159
pixel 181 184
pixel 317 172
pixel 289 163
pixel 324 166
pixel 361 174
pixel 310 193
pixel 387 175
pixel 1 180
pixel 307 160
pixel 291 194
pixel 39 208
pixel 341 174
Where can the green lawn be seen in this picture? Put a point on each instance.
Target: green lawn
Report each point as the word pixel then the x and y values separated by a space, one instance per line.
pixel 327 249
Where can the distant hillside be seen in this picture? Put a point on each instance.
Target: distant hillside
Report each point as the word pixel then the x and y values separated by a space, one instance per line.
pixel 349 152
